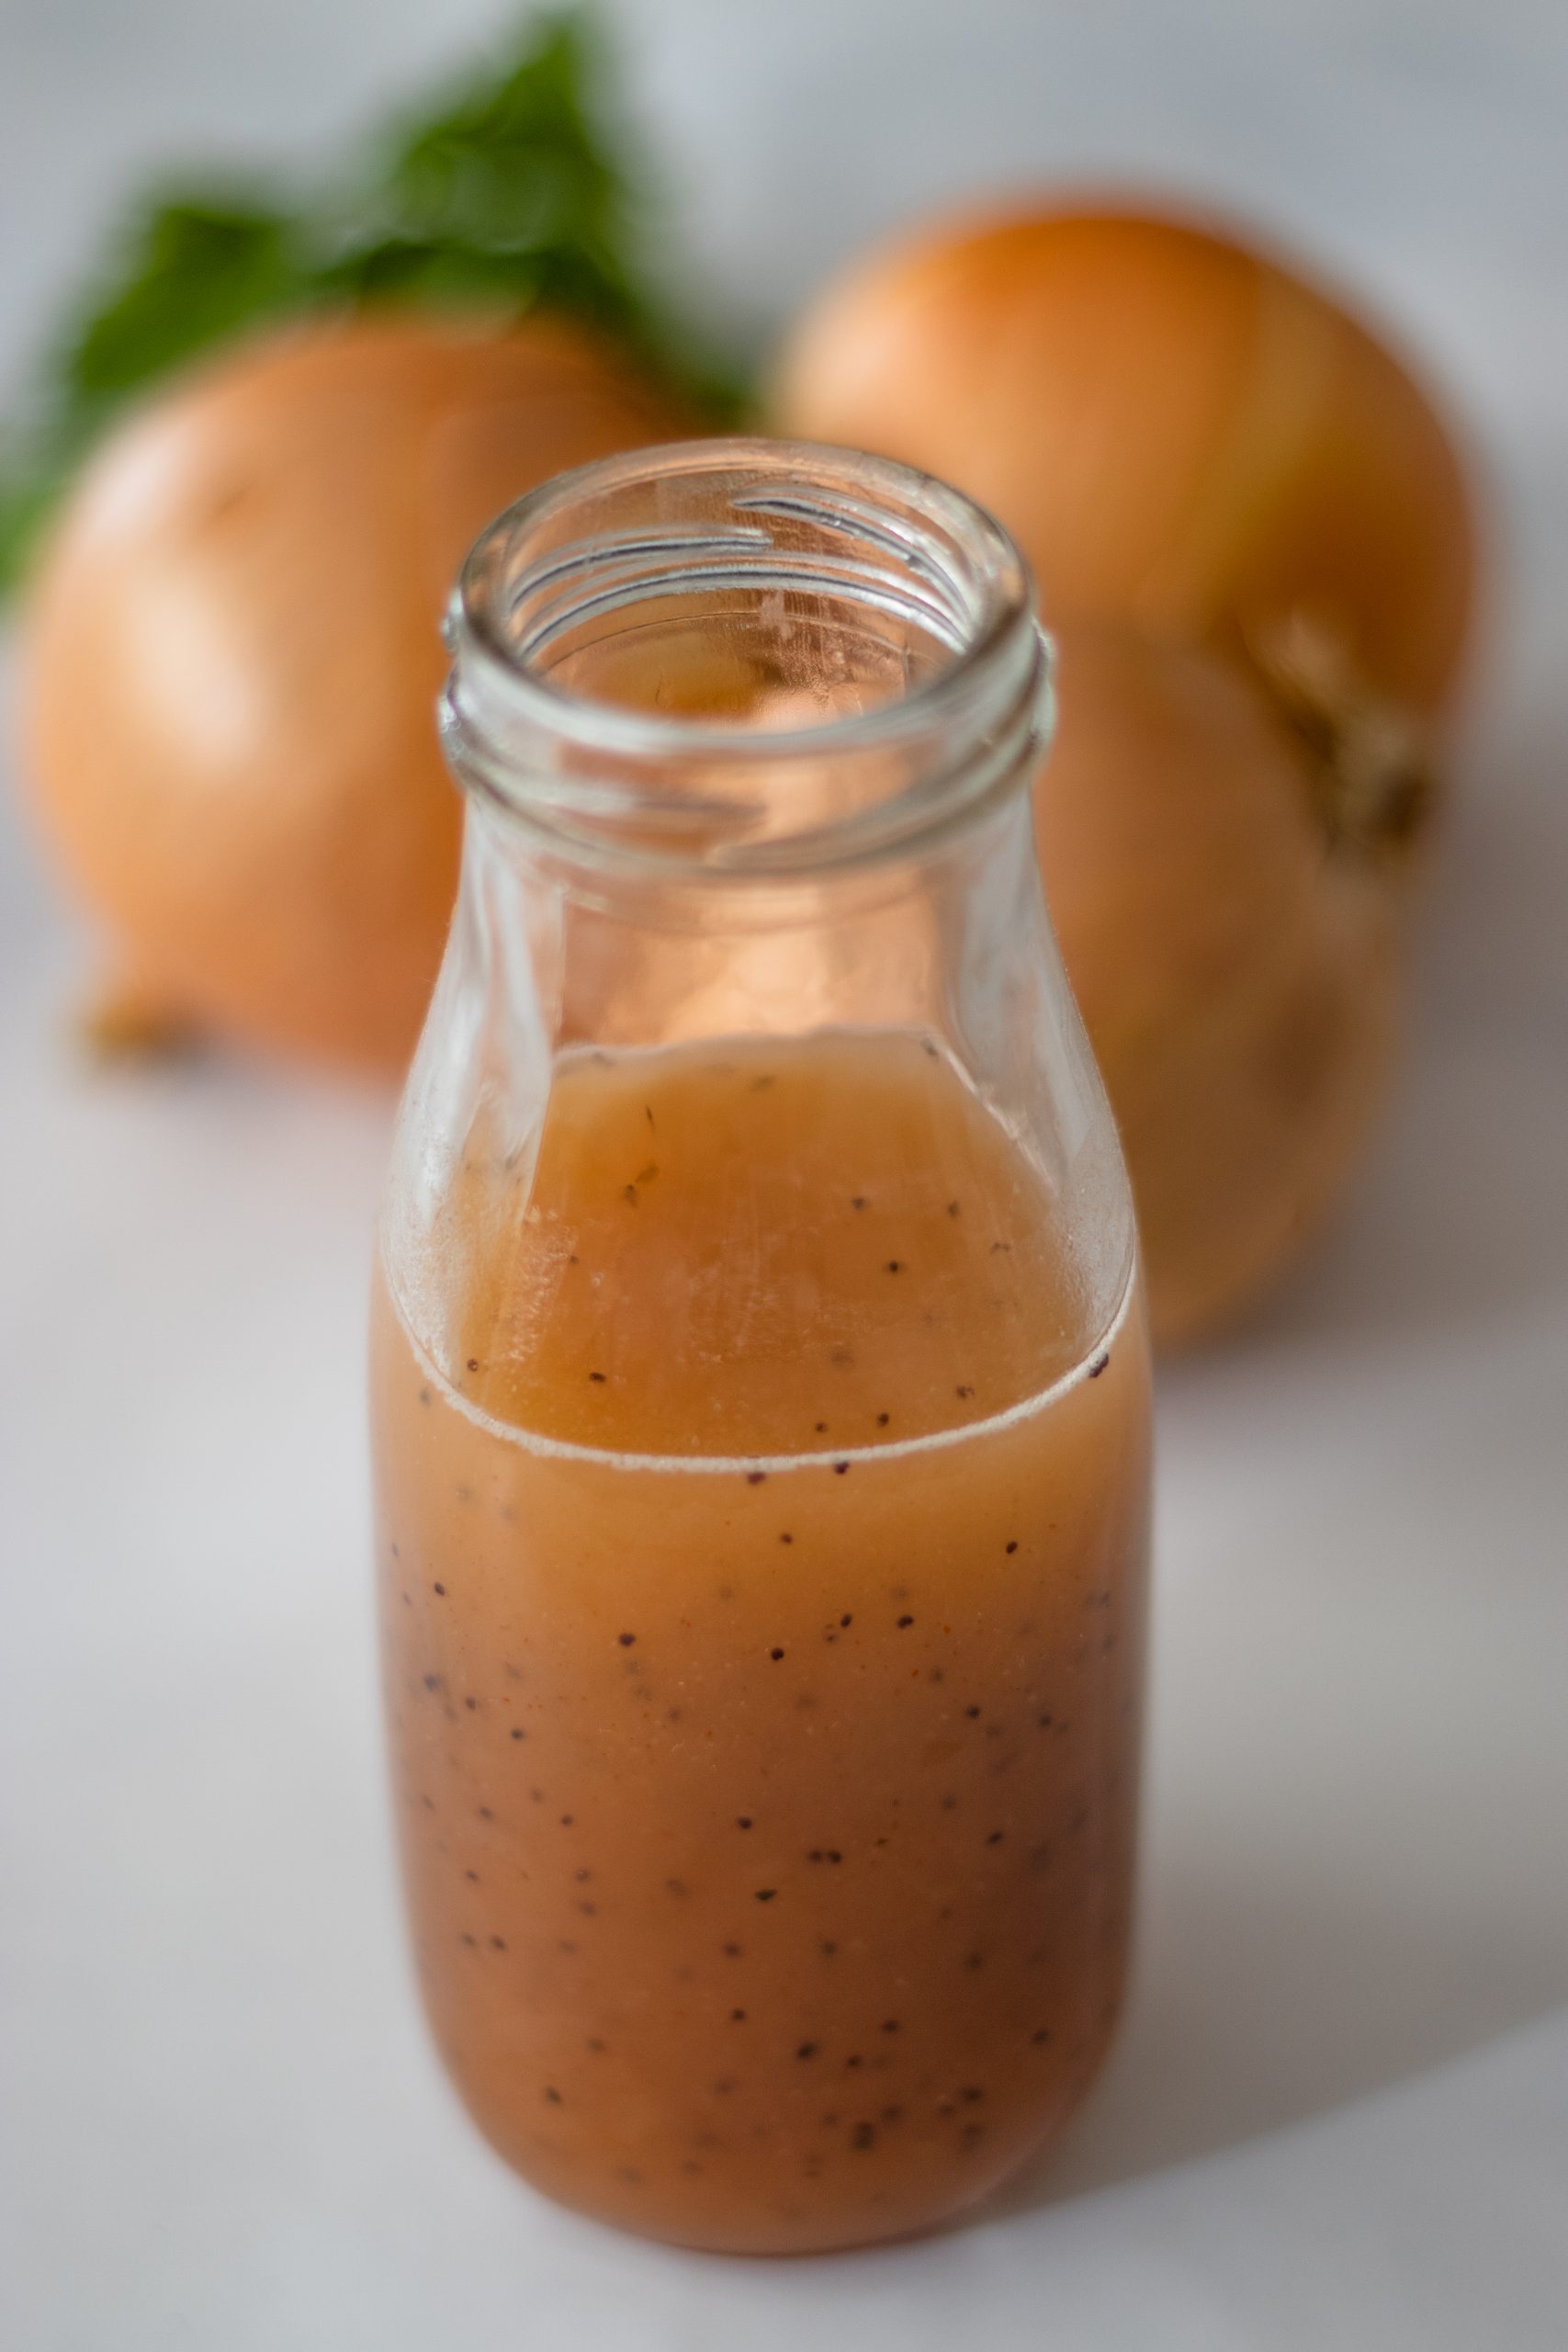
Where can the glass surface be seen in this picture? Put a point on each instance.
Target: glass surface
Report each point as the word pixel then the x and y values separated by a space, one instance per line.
pixel 760 1379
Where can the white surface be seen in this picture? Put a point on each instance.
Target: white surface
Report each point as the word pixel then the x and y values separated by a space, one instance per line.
pixel 1339 2116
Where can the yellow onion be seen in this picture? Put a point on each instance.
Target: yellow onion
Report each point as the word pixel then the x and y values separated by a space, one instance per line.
pixel 1249 526
pixel 233 656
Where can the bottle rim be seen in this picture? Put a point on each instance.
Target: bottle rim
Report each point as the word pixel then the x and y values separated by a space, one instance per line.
pixel 612 785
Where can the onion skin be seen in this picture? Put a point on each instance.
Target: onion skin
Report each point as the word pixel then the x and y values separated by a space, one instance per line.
pixel 1180 432
pixel 232 659
pixel 1239 973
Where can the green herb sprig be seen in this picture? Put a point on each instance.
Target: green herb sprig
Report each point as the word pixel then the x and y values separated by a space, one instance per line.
pixel 514 195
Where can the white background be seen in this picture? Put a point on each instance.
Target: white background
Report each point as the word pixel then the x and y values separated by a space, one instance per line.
pixel 1339 2116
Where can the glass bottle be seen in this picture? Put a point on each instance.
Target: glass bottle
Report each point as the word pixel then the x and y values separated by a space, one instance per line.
pixel 761 1386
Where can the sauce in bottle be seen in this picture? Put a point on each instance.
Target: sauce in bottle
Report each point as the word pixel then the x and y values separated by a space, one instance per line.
pixel 763 1469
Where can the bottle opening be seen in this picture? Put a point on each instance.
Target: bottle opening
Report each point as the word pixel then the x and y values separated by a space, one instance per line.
pixel 749 654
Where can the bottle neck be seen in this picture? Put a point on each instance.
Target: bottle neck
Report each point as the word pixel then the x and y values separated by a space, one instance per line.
pixel 747 730
pixel 941 942
pixel 746 660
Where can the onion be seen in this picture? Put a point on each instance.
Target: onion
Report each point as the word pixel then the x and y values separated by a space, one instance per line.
pixel 1236 957
pixel 1252 535
pixel 1177 430
pixel 233 658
